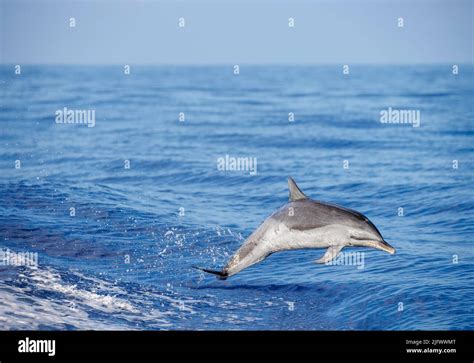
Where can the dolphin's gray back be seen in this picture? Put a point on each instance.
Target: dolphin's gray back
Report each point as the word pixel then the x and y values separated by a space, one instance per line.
pixel 310 214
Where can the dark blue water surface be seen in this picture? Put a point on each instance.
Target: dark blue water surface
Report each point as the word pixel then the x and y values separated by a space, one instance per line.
pixel 124 261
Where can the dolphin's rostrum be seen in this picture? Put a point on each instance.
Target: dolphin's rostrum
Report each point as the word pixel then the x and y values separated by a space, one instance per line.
pixel 305 223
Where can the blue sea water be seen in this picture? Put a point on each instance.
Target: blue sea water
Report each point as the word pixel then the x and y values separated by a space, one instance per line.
pixel 124 261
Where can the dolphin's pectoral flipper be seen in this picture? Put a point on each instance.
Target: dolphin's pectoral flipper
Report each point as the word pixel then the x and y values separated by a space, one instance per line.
pixel 330 254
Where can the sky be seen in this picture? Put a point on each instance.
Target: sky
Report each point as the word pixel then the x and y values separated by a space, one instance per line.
pixel 235 32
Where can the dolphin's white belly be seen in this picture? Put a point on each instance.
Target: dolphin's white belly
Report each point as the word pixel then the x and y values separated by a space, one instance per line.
pixel 279 237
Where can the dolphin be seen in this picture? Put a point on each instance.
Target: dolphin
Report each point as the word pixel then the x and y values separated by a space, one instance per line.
pixel 305 223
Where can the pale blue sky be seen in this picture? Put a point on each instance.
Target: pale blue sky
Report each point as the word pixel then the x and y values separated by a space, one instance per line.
pixel 234 32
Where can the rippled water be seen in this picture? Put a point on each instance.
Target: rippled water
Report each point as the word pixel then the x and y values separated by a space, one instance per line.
pixel 83 280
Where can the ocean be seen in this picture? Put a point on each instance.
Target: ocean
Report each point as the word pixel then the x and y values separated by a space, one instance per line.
pixel 106 220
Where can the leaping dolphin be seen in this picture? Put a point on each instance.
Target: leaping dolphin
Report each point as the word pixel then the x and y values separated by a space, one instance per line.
pixel 305 223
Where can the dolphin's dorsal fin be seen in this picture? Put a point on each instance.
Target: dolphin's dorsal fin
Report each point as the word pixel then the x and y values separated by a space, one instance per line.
pixel 295 192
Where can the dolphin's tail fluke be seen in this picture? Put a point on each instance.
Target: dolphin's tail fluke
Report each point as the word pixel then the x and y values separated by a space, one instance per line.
pixel 220 274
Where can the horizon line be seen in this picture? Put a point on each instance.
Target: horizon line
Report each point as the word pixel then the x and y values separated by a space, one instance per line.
pixel 246 63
